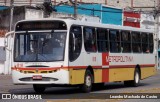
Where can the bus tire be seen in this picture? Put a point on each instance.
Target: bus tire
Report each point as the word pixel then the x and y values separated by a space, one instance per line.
pixel 38 88
pixel 88 82
pixel 136 81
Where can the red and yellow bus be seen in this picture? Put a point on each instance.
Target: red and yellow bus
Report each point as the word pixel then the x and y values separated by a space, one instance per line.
pixel 71 52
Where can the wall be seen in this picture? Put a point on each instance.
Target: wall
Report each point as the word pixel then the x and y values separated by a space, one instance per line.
pixel 131 19
pixel 112 15
pixel 108 15
pixel 147 22
pixel 2 55
pixel 84 9
pixel 3 7
pixel 31 13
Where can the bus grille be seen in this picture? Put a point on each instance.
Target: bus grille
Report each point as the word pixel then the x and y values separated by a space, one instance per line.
pixel 37 71
pixel 43 79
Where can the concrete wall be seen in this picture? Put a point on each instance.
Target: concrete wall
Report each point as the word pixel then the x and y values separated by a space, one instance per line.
pixel 131 19
pixel 116 3
pixel 2 55
pixel 112 15
pixel 147 22
pixel 108 15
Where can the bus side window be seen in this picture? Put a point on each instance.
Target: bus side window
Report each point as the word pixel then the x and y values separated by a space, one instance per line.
pixel 136 42
pixel 151 43
pixel 90 39
pixel 102 40
pixel 145 43
pixel 125 41
pixel 75 42
pixel 114 38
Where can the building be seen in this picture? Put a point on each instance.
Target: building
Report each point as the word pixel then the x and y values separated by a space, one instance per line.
pixel 116 3
pixel 3 7
pixel 107 14
pixel 2 55
pixel 20 13
pixel 131 19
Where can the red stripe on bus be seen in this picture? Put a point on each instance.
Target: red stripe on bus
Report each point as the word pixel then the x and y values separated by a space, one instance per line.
pixel 105 75
pixel 36 68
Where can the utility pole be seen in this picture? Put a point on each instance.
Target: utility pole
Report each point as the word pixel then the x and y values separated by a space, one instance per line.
pixel 5 2
pixel 75 9
pixel 131 3
pixel 156 33
pixel 74 3
pixel 11 14
pixel 30 2
pixel 105 2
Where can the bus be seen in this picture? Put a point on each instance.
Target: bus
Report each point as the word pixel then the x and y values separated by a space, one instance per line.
pixel 62 52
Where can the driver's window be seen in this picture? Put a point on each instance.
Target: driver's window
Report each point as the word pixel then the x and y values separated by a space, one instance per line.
pixel 75 42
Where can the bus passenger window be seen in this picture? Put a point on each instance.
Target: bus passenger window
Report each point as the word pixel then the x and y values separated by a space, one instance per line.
pixel 102 40
pixel 125 41
pixel 90 39
pixel 145 43
pixel 136 42
pixel 151 43
pixel 114 38
pixel 75 42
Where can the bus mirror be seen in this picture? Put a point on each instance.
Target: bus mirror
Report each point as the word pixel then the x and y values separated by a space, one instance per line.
pixel 74 42
pixel 5 44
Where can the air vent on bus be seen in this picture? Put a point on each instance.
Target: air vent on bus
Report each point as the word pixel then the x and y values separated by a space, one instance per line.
pixel 43 79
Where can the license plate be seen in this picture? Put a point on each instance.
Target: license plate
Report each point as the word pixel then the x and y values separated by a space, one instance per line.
pixel 37 77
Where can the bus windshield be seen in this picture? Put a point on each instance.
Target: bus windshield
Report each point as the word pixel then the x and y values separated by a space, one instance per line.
pixel 38 46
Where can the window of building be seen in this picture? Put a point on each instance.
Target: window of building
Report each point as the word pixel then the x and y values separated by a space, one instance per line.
pixel 102 40
pixel 75 42
pixel 136 42
pixel 125 41
pixel 114 38
pixel 90 39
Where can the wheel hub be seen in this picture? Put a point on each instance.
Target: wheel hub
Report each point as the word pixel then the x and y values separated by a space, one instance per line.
pixel 88 81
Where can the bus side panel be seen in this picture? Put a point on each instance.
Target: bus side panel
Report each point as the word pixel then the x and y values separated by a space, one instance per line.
pixel 121 74
pixel 76 76
pixel 147 72
pixel 97 75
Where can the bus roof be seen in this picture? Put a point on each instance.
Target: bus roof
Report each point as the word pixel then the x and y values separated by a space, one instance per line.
pixel 71 21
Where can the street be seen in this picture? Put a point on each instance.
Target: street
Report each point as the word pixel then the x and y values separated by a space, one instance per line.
pixel 149 85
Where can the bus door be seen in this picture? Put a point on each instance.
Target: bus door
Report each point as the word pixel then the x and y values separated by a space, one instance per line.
pixel 90 46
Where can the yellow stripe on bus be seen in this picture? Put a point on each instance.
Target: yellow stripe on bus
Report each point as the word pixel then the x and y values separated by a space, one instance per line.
pixel 147 72
pixel 121 74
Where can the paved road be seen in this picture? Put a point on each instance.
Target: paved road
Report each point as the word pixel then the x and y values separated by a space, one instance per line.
pixel 149 85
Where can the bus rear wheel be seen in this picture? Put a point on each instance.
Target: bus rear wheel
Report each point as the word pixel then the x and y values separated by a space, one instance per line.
pixel 88 81
pixel 136 80
pixel 38 88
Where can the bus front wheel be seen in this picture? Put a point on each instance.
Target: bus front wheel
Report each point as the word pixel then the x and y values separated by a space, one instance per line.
pixel 88 81
pixel 38 88
pixel 136 80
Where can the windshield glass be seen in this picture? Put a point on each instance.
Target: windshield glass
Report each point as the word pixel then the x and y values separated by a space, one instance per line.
pixel 40 46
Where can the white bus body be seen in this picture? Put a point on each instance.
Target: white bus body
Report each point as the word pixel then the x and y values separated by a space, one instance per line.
pixel 79 65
